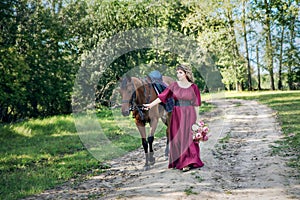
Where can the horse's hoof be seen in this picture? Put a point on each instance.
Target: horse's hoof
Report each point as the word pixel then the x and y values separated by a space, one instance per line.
pixel 151 158
pixel 146 167
pixel 152 161
pixel 166 154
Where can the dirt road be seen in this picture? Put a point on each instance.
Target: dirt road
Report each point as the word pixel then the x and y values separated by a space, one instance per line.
pixel 239 164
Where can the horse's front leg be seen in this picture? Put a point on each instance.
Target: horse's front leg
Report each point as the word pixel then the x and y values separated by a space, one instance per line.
pixel 142 130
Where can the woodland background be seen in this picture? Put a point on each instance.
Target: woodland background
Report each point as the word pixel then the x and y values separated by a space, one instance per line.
pixel 254 44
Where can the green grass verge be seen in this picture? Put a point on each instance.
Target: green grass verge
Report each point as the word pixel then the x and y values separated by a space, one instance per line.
pixel 287 105
pixel 40 154
pixel 205 107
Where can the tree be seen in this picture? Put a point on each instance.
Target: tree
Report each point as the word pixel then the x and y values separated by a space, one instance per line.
pixel 38 60
pixel 293 49
pixel 214 25
pixel 258 68
pixel 262 11
pixel 246 46
pixel 269 47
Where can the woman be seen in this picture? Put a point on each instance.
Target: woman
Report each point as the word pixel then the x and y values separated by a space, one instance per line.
pixel 184 152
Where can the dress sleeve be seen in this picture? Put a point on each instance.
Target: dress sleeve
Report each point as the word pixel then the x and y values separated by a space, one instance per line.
pixel 166 94
pixel 197 99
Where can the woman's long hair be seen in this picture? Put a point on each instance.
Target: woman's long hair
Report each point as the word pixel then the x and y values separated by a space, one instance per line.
pixel 188 71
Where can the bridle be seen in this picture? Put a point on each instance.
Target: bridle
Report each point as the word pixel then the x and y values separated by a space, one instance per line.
pixel 132 98
pixel 133 106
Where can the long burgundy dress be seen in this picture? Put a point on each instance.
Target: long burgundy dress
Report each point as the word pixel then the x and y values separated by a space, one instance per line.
pixel 183 151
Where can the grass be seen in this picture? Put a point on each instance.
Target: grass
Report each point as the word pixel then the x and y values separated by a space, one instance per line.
pixel 205 107
pixel 225 139
pixel 40 154
pixel 287 106
pixel 189 191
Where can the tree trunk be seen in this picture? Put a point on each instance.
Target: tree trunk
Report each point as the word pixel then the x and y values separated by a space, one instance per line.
pixel 258 68
pixel 269 50
pixel 280 59
pixel 246 48
pixel 235 49
pixel 290 62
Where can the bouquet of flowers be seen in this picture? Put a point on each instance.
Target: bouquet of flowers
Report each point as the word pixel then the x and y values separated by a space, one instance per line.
pixel 200 131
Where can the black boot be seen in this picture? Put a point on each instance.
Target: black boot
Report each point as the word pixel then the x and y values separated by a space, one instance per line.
pixel 150 141
pixel 145 145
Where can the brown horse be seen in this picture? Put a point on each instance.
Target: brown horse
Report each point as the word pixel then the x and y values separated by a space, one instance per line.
pixel 135 92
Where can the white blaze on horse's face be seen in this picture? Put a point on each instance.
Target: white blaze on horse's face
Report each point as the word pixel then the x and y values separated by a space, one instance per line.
pixel 126 91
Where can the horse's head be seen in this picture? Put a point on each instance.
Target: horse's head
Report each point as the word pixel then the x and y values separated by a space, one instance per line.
pixel 127 90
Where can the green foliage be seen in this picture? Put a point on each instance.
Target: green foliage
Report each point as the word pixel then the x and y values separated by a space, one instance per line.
pixel 39 154
pixel 43 43
pixel 225 139
pixel 42 153
pixel 219 20
pixel 189 191
pixel 280 22
pixel 205 107
pixel 38 63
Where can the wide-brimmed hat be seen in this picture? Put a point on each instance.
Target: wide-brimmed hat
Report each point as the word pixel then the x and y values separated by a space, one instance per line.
pixel 188 72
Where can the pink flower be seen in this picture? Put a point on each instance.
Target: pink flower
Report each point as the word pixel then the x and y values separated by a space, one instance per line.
pixel 201 123
pixel 205 129
pixel 205 138
pixel 200 131
pixel 198 135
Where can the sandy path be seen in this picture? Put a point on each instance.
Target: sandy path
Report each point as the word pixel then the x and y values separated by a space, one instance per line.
pixel 243 167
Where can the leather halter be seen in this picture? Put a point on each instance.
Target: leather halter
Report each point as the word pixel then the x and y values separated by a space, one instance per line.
pixel 133 106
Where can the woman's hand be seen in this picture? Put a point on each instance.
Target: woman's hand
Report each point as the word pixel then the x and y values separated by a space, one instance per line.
pixel 147 106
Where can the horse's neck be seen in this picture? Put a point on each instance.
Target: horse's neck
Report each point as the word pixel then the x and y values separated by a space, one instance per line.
pixel 142 91
pixel 136 82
